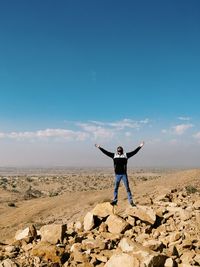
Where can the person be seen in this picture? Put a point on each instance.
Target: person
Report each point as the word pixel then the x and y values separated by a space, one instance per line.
pixel 120 160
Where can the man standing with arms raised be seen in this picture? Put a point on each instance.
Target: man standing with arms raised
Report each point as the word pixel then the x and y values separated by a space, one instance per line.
pixel 120 160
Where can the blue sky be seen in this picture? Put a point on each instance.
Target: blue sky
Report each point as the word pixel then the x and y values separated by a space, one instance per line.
pixel 73 73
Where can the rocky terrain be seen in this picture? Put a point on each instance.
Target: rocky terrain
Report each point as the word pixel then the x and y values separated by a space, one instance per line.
pixel 81 228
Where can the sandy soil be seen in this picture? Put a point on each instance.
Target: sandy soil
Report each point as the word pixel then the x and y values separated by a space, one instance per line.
pixel 61 197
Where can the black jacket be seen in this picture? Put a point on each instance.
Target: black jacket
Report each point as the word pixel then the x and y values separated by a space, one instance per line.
pixel 120 161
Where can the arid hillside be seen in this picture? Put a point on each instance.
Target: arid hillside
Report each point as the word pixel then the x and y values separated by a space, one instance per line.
pixel 47 198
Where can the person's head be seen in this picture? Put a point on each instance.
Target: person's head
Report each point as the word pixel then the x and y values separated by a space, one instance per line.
pixel 120 150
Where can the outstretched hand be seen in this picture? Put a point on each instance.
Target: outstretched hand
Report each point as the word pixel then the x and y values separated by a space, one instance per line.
pixel 98 146
pixel 141 145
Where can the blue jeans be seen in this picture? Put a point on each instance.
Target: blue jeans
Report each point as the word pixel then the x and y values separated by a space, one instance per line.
pixel 124 178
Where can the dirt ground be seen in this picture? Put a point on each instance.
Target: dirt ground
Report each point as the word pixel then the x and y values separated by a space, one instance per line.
pixel 62 197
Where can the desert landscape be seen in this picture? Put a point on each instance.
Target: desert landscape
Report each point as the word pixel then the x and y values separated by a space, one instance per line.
pixel 163 229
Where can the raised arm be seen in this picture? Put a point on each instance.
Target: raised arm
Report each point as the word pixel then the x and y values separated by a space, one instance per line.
pixel 132 153
pixel 107 153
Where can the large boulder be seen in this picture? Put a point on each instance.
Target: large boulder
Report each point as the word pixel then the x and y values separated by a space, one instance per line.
pixel 116 224
pixel 145 255
pixel 53 233
pixel 27 232
pixel 103 209
pixel 49 252
pixel 122 259
pixel 145 214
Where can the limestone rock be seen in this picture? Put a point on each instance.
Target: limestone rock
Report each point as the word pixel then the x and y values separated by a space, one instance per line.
pixel 7 263
pixel 103 210
pixel 80 257
pixel 187 257
pixel 116 224
pixel 170 263
pixel 154 245
pixel 145 214
pixel 10 249
pixel 92 243
pixel 131 220
pixel 53 233
pixel 196 204
pixel 27 232
pixel 122 259
pixel 127 245
pixel 197 259
pixel 88 221
pixel 78 226
pixel 48 252
pixel 103 227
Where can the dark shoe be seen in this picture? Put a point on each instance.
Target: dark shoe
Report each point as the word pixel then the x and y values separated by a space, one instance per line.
pixel 132 204
pixel 113 203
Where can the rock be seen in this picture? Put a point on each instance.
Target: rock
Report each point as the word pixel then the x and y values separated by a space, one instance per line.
pixel 187 256
pixel 172 251
pixel 127 245
pixel 78 226
pixel 131 220
pixel 154 245
pixel 141 238
pixel 103 227
pixel 80 257
pixel 49 252
pixel 27 232
pixel 7 263
pixel 92 243
pixel 122 259
pixel 174 237
pixel 103 209
pixel 185 215
pixel 88 221
pixel 196 204
pixel 145 214
pixel 187 243
pixel 101 258
pixel 27 247
pixel 154 260
pixel 197 259
pixel 110 236
pixel 170 263
pixel 11 249
pixel 53 233
pixel 116 224
pixel 76 246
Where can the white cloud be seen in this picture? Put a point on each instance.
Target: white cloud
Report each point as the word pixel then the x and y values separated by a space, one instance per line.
pixel 122 124
pixel 182 128
pixel 184 118
pixel 85 130
pixel 98 132
pixel 107 130
pixel 47 133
